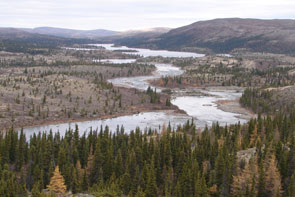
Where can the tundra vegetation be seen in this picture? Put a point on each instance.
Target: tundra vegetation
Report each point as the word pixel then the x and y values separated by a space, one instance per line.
pixel 68 85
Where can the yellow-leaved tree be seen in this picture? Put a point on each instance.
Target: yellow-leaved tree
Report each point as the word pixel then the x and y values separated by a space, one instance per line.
pixel 57 182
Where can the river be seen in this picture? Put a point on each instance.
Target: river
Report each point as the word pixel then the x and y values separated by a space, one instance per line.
pixel 148 52
pixel 201 108
pixel 141 82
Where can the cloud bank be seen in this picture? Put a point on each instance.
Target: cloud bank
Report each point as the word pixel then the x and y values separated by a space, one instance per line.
pixel 135 14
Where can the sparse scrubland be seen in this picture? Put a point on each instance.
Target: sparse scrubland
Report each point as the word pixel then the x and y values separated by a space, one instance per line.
pixel 68 86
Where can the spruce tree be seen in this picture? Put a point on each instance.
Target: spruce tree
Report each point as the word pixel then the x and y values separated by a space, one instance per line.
pixel 151 187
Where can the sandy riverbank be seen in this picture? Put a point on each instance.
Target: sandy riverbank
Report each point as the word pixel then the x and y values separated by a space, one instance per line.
pixel 232 106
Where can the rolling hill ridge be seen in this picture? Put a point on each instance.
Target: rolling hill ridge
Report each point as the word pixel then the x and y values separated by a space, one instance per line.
pixel 226 35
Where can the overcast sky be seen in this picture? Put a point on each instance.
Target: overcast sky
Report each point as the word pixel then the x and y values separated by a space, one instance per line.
pixel 135 14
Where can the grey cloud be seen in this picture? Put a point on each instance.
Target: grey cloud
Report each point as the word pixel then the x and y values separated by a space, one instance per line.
pixel 131 14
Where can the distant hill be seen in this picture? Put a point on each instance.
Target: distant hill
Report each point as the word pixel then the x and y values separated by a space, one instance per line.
pixel 71 33
pixel 25 39
pixel 218 35
pixel 133 37
pixel 155 30
pixel 17 40
pixel 225 35
pixel 13 33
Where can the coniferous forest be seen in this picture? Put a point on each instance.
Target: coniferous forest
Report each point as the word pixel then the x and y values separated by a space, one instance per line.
pixel 255 159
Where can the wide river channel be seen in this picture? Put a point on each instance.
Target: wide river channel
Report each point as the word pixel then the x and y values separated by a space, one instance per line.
pixel 203 109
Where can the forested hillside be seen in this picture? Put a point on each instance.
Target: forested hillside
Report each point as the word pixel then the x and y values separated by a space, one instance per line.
pixel 269 100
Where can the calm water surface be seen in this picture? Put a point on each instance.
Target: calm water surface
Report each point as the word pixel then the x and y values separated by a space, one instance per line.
pixel 148 52
pixel 116 61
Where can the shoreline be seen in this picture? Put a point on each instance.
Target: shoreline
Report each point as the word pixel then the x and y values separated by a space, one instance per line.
pixel 226 105
pixel 231 106
pixel 104 117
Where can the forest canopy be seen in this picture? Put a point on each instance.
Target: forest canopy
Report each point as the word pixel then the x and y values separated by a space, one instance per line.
pixel 255 159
